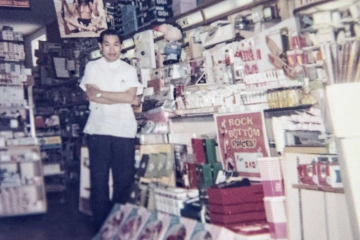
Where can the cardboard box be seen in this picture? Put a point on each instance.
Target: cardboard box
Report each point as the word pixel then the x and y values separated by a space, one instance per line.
pixel 228 196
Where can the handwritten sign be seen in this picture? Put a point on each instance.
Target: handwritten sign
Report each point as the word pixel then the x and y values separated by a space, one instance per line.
pixel 242 140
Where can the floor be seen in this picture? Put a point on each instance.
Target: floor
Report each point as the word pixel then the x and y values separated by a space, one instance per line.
pixel 63 221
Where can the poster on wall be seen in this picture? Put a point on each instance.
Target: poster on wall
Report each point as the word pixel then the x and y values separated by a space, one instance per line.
pixel 15 3
pixel 80 18
pixel 242 140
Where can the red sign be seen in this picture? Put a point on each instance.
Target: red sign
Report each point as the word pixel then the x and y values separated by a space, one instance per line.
pixel 15 3
pixel 242 139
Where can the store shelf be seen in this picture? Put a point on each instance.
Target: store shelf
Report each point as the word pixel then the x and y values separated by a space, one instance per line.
pixel 12 41
pixel 191 115
pixel 22 161
pixel 60 84
pixel 300 107
pixel 14 108
pixel 18 146
pixel 11 84
pixel 19 61
pixel 54 174
pixel 200 8
pixel 196 112
pixel 224 15
pixel 24 213
pixel 316 65
pixel 40 184
pixel 322 5
pixel 318 188
pixel 54 188
pixel 310 48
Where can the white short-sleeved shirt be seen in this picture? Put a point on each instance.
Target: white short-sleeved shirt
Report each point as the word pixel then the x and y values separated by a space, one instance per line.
pixel 116 119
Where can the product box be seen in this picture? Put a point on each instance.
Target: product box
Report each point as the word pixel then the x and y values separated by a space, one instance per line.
pixel 209 231
pixel 276 216
pixel 181 157
pixel 132 225
pixel 210 152
pixel 237 218
pixel 112 224
pixel 155 227
pixel 237 208
pixel 180 228
pixel 190 175
pixel 271 176
pixel 204 175
pixel 253 231
pixel 229 196
pixel 198 150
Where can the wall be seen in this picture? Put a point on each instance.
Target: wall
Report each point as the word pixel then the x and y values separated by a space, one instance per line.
pixel 28 39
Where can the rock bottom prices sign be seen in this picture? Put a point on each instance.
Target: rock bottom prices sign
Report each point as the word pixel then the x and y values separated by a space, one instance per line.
pixel 242 140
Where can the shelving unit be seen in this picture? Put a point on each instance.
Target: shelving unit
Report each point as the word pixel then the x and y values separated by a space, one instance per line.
pixel 182 18
pixel 22 190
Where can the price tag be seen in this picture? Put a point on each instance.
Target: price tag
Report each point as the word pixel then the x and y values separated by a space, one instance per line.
pixel 247 165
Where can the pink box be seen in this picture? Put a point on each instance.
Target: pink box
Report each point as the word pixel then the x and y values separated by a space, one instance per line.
pixel 228 196
pixel 308 174
pixel 236 218
pixel 278 231
pixel 273 188
pixel 252 231
pixel 276 216
pixel 271 176
pixel 237 208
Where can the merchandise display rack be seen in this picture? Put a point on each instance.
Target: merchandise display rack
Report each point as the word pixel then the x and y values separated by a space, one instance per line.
pixel 27 197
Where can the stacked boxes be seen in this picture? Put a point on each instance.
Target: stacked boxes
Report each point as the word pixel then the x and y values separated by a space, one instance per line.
pixel 129 20
pixel 171 200
pixel 142 9
pixel 111 13
pixel 276 217
pixel 207 166
pixel 271 170
pixel 129 16
pixel 233 206
pixel 159 11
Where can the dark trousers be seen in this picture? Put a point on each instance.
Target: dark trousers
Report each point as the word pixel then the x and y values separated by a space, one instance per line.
pixel 107 152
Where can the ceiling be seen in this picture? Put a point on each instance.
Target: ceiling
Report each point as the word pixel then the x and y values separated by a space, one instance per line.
pixel 27 21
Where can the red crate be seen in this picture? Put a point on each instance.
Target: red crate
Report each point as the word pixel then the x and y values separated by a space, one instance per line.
pixel 237 208
pixel 236 218
pixel 228 196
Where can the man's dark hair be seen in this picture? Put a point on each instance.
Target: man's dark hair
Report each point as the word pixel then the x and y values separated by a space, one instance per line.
pixel 108 32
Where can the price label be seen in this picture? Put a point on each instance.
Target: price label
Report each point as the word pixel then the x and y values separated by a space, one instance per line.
pixel 247 165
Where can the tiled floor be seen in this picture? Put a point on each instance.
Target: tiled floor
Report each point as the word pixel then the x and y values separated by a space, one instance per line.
pixel 63 221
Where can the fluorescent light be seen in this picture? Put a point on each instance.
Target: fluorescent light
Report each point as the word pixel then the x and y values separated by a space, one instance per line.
pixel 241 3
pixel 220 8
pixel 334 5
pixel 190 19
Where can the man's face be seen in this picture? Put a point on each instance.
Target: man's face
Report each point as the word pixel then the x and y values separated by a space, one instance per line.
pixel 111 48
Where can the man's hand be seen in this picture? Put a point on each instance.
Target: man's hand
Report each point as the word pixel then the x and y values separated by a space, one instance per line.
pixel 136 101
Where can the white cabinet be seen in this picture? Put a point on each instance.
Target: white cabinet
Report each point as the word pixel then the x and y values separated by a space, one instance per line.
pixel 313 213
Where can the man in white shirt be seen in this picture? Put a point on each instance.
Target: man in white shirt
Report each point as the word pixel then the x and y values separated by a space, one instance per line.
pixel 111 86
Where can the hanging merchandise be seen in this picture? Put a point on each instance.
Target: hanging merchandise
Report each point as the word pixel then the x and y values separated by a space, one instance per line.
pixel 173 34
